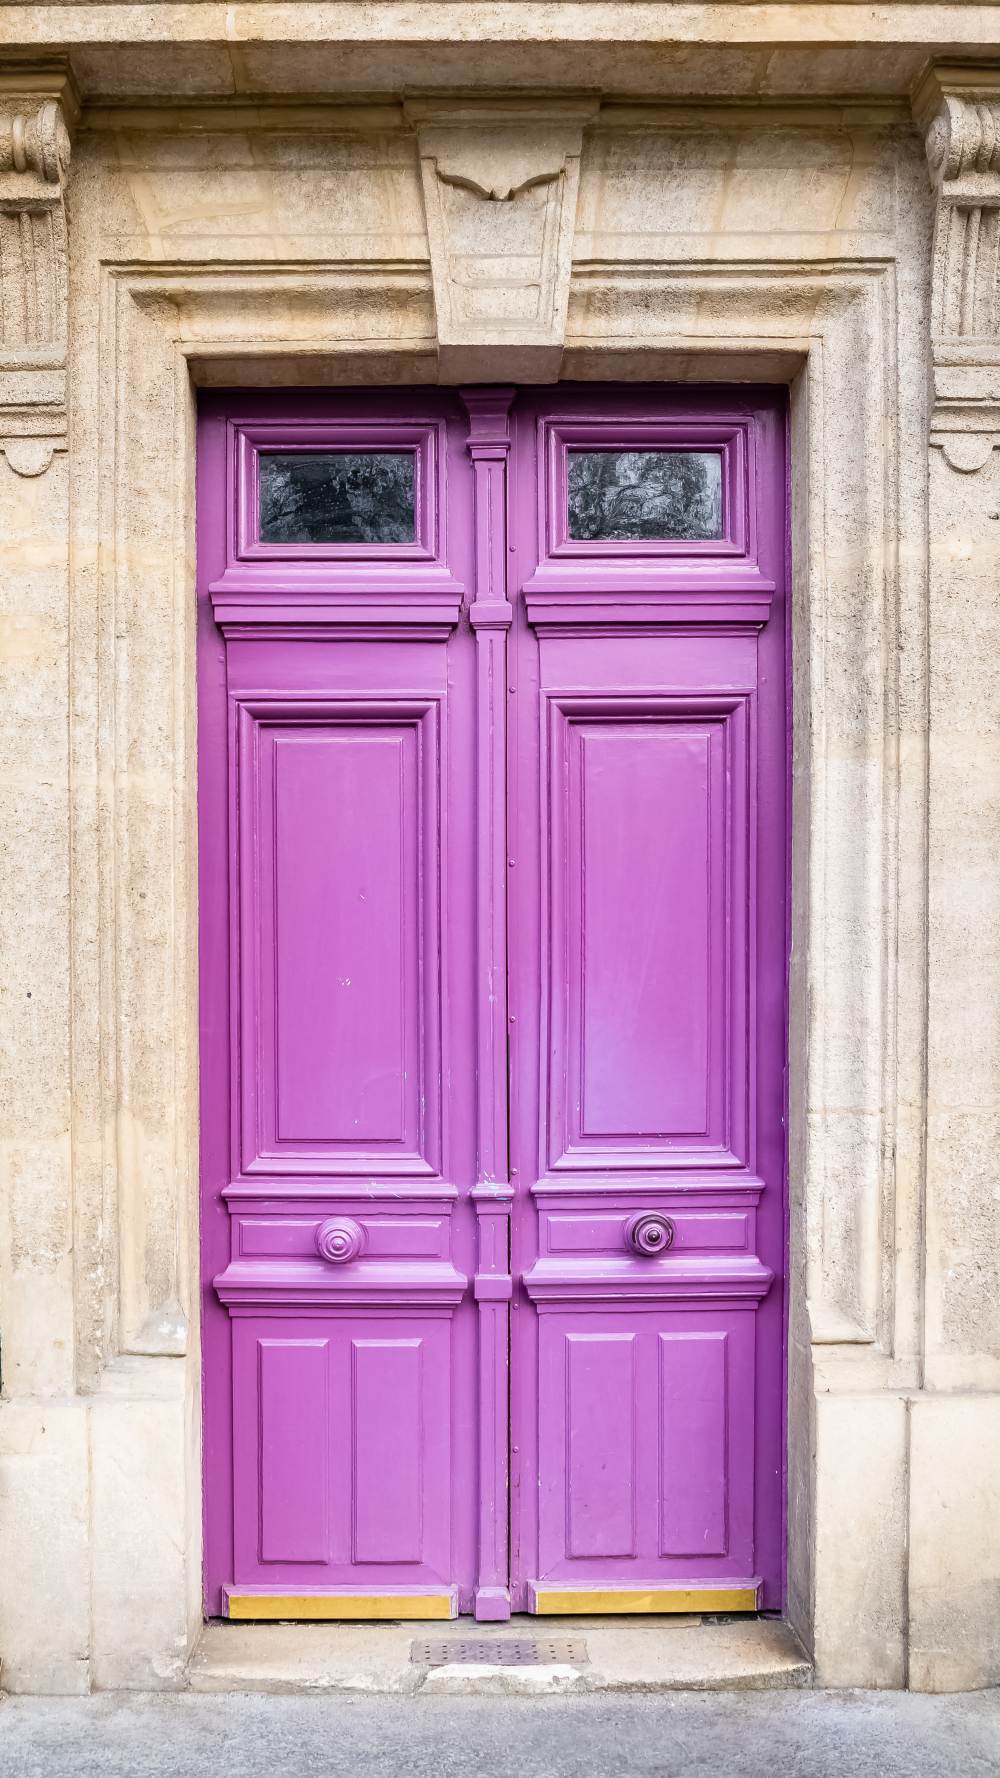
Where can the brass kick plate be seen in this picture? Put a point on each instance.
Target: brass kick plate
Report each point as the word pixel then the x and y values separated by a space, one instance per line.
pixel 359 1607
pixel 564 1602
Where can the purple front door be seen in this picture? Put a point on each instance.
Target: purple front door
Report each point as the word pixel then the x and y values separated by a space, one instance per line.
pixel 492 743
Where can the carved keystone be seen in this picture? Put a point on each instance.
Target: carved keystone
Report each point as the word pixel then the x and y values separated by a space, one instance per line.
pixel 958 109
pixel 500 184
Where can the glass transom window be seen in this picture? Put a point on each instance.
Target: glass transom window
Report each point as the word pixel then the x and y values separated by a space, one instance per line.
pixel 337 497
pixel 633 496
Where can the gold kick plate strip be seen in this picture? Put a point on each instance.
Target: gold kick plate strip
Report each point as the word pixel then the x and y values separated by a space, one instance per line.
pixel 594 1602
pixel 339 1606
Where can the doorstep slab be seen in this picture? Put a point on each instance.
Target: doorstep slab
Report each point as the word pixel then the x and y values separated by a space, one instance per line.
pixel 624 1654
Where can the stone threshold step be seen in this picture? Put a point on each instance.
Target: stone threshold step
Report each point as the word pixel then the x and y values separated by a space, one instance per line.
pixel 624 1655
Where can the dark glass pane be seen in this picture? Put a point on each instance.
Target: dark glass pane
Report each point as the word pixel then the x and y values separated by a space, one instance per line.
pixel 626 496
pixel 337 497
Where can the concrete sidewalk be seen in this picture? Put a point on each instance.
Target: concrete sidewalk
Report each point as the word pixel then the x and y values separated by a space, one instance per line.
pixel 794 1734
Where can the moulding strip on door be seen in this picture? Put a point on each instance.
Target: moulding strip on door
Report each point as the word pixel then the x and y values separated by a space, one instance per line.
pixel 490 616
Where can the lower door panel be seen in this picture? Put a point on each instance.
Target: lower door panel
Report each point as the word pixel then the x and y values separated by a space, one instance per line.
pixel 645 1449
pixel 342 1435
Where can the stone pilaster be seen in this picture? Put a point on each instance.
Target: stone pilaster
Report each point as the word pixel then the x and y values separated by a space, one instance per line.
pixel 954 1536
pixel 44 1465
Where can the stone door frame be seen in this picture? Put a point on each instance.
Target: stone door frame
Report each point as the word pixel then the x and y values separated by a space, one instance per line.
pixel 163 329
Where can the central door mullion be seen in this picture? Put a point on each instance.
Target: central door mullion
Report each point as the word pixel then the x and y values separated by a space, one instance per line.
pixel 490 616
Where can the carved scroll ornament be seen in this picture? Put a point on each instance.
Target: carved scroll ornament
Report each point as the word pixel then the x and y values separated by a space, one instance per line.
pixel 36 142
pixel 960 114
pixel 34 164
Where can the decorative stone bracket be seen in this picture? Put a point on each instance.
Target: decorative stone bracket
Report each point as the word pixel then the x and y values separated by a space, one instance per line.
pixel 959 110
pixel 500 182
pixel 37 112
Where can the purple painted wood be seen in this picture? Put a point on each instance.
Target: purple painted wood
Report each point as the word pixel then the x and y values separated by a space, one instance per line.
pixel 495 811
pixel 647 990
pixel 490 615
pixel 339 1024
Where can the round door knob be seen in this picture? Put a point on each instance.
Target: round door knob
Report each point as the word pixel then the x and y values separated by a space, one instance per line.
pixel 340 1239
pixel 649 1232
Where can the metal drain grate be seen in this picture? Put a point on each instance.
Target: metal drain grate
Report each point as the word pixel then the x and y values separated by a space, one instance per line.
pixel 501 1651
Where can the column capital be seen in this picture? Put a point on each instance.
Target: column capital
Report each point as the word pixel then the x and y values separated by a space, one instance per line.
pixel 958 109
pixel 38 114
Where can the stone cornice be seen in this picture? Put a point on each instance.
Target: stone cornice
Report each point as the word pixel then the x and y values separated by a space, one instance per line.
pixel 723 48
pixel 338 114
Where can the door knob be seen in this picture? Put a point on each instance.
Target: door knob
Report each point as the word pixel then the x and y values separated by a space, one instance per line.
pixel 649 1232
pixel 340 1239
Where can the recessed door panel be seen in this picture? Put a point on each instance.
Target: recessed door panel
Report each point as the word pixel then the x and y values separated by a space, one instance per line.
pixel 341 1437
pixel 599 1426
pixel 644 831
pixel 694 1398
pixel 339 939
pixel 387 1437
pixel 644 843
pixel 646 1453
pixel 343 1033
pixel 293 1432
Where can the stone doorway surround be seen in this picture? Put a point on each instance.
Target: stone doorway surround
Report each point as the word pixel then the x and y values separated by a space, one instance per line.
pixel 224 243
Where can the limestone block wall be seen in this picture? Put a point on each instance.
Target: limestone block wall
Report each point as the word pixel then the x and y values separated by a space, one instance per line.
pixel 223 244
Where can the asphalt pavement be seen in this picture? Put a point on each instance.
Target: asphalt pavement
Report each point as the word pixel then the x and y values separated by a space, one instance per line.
pixel 794 1734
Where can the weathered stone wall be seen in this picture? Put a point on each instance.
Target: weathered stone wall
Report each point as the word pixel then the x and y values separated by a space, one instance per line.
pixel 223 245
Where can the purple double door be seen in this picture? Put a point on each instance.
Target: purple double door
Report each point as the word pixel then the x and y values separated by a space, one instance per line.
pixel 492 755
